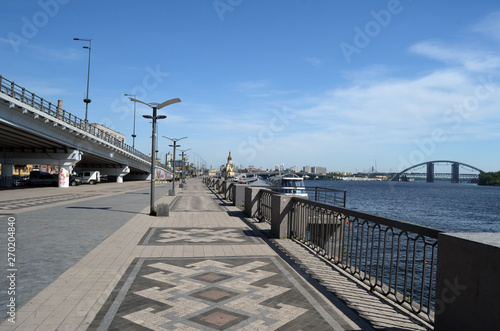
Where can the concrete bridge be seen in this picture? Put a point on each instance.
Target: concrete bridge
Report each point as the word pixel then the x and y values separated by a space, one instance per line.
pixel 430 175
pixel 36 131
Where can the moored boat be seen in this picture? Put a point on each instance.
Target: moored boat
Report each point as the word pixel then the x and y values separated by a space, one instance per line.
pixel 288 184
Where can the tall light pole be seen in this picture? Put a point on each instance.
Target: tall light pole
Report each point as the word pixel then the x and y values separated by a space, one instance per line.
pixel 87 100
pixel 155 107
pixel 183 166
pixel 133 133
pixel 174 140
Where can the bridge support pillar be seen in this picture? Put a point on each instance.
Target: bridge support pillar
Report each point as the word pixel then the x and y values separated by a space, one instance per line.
pixel 430 172
pixel 67 165
pixel 123 172
pixel 455 175
pixel 6 177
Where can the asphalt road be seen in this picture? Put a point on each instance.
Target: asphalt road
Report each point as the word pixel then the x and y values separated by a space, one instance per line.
pixel 51 237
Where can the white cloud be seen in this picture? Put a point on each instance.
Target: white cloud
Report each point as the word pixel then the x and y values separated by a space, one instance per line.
pixel 470 59
pixel 490 25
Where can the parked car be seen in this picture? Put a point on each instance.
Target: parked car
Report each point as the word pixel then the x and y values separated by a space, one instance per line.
pixel 18 180
pixel 40 178
pixel 74 181
pixel 89 177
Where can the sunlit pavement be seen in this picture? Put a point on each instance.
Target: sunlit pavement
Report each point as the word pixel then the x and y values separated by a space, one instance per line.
pixel 204 267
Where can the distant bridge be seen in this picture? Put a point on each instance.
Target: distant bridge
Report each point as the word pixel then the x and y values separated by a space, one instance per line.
pixel 430 175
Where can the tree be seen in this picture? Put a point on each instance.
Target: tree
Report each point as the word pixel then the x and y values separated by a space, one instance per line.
pixel 489 178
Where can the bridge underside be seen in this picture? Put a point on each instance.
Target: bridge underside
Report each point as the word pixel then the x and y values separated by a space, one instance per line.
pixel 20 145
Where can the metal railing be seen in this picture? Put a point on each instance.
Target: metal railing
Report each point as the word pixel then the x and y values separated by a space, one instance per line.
pixel 264 208
pixel 318 194
pixel 327 196
pixel 20 93
pixel 396 259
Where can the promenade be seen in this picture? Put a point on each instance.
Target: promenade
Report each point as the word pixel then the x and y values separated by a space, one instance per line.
pixel 204 267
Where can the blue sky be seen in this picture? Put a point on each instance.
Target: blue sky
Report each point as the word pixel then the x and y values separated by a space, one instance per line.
pixel 340 84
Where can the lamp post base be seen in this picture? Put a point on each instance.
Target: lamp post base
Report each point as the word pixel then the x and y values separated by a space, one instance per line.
pixel 171 192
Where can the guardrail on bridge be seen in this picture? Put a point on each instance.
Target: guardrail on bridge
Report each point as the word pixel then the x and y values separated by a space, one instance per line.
pixel 21 94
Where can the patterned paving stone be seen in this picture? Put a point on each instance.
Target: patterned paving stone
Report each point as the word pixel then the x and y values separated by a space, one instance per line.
pixel 25 203
pixel 200 236
pixel 254 293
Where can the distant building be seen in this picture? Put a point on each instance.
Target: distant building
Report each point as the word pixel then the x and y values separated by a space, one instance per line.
pixel 307 169
pixel 229 168
pixel 318 170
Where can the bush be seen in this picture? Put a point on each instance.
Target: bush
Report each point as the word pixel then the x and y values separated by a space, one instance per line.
pixel 489 178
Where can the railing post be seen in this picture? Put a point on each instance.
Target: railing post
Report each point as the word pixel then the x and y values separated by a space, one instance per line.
pixel 281 206
pixel 467 289
pixel 252 196
pixel 239 194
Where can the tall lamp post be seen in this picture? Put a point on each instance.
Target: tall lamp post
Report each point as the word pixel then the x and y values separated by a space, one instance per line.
pixel 183 166
pixel 174 140
pixel 87 100
pixel 133 133
pixel 155 117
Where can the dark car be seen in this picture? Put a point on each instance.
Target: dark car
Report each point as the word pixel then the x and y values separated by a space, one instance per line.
pixel 74 180
pixel 18 180
pixel 40 178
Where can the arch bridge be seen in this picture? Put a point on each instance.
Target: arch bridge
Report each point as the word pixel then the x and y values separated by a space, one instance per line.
pixel 430 175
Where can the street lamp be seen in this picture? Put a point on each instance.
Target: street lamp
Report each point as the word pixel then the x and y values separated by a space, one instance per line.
pixel 183 177
pixel 133 133
pixel 174 140
pixel 87 100
pixel 155 107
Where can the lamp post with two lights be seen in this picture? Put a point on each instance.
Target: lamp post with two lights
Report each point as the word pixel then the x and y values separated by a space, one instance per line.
pixel 155 106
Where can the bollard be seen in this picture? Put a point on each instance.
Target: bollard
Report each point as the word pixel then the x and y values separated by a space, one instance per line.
pixel 162 210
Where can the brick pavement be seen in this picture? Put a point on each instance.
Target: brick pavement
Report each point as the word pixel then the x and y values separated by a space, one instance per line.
pixel 205 267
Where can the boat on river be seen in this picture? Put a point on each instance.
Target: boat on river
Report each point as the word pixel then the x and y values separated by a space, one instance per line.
pixel 289 184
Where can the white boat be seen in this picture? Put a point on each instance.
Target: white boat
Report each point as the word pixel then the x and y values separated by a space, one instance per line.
pixel 246 178
pixel 288 184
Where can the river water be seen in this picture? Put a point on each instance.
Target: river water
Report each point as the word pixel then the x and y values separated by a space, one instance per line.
pixel 440 205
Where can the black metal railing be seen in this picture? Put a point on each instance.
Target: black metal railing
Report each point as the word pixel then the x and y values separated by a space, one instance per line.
pixel 327 196
pixel 264 206
pixel 21 94
pixel 318 194
pixel 397 259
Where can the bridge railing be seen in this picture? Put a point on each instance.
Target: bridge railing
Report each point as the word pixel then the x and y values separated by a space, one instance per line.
pixel 20 93
pixel 396 259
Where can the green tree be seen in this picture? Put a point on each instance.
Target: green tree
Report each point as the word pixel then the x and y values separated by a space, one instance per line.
pixel 489 178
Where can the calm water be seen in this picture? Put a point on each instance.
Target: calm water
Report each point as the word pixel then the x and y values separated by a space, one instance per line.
pixel 440 205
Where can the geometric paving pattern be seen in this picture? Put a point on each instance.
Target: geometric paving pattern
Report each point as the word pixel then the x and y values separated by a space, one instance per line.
pixel 200 236
pixel 25 203
pixel 216 294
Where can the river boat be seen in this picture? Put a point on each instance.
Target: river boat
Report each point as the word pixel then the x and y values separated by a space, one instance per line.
pixel 246 178
pixel 288 184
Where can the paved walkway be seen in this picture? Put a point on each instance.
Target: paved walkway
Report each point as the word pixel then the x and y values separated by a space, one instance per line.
pixel 205 267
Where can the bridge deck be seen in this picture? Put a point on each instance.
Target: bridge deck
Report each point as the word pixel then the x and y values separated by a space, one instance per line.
pixel 205 267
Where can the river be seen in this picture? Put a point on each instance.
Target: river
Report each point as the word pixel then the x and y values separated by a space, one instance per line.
pixel 441 205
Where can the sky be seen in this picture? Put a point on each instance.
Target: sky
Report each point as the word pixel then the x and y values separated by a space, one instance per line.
pixel 346 85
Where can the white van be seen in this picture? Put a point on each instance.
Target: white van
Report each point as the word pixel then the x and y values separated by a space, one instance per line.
pixel 89 177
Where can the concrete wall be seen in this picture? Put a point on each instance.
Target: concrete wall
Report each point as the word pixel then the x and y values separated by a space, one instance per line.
pixel 239 194
pixel 468 282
